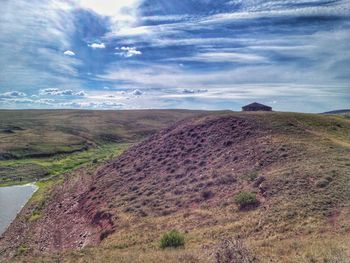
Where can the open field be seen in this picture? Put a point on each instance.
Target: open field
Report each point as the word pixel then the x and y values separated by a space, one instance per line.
pixel 35 144
pixel 187 177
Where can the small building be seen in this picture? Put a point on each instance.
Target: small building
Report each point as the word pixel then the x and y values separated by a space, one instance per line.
pixel 256 107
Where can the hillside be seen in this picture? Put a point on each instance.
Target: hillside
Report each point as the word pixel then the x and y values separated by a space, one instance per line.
pixel 38 143
pixel 186 177
pixel 347 111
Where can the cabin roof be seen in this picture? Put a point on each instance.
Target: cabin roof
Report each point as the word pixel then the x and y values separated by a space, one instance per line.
pixel 257 105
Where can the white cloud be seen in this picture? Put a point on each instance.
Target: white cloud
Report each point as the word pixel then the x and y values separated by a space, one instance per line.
pixel 194 91
pixel 137 92
pixel 97 45
pixel 12 94
pixel 69 53
pixel 91 105
pixel 128 52
pixel 81 93
pixel 66 92
pixel 123 14
pixel 109 7
pixel 223 57
pixel 58 92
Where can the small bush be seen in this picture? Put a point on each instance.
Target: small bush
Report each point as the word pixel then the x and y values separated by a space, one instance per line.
pixel 253 175
pixel 172 239
pixel 246 199
pixel 21 250
pixel 233 251
pixel 206 194
pixel 37 212
pixel 322 183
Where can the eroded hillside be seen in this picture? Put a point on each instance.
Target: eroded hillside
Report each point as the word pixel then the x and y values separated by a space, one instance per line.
pixel 186 177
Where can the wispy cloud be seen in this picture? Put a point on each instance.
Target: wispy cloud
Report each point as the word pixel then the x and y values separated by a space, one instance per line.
pixel 228 57
pixel 196 53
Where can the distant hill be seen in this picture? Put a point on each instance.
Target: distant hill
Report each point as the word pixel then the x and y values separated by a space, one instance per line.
pixel 293 170
pixel 338 112
pixel 40 133
pixel 35 144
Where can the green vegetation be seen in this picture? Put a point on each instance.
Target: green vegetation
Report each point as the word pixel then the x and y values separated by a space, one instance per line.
pixel 21 250
pixel 172 239
pixel 36 214
pixel 246 199
pixel 28 170
pixel 252 175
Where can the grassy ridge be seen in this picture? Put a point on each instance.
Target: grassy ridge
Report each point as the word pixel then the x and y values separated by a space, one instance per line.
pixel 42 133
pixel 38 143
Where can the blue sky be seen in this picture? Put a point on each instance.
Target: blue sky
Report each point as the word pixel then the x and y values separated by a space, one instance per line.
pixel 197 54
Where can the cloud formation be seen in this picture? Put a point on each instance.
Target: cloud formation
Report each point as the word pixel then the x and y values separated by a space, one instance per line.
pixel 195 54
pixel 12 94
pixel 59 92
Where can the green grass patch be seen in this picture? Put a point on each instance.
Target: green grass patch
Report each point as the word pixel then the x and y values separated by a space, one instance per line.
pixel 172 239
pixel 246 199
pixel 29 170
pixel 21 250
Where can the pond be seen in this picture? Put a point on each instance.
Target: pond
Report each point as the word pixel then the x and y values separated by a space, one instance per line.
pixel 12 200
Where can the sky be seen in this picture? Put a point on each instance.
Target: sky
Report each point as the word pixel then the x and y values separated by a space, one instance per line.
pixel 293 55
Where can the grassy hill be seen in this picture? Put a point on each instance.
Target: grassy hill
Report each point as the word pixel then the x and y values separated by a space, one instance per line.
pixel 38 143
pixel 279 183
pixel 340 112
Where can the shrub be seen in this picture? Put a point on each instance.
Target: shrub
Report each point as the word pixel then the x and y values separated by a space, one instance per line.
pixel 246 199
pixel 206 194
pixel 233 251
pixel 21 250
pixel 253 175
pixel 37 212
pixel 106 233
pixel 172 239
pixel 322 183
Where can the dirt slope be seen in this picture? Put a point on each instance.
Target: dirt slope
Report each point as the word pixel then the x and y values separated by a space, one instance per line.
pixel 186 177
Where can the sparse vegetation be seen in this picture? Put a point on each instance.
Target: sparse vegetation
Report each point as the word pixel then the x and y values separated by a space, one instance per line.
pixel 37 212
pixel 21 250
pixel 233 250
pixel 160 185
pixel 252 175
pixel 172 239
pixel 246 199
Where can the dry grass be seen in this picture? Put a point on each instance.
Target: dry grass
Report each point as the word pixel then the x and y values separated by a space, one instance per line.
pixel 299 219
